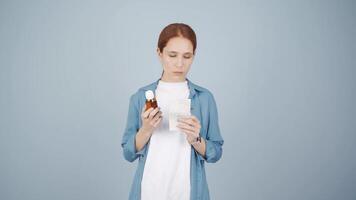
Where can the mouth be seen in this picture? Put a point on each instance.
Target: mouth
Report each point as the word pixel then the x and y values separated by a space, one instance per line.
pixel 178 72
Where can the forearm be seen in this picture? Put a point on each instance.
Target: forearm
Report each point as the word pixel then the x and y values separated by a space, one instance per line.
pixel 141 139
pixel 200 147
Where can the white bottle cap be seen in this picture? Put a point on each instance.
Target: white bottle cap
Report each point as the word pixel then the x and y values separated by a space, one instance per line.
pixel 149 94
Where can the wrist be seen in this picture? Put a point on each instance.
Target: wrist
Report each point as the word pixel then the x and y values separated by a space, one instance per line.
pixel 145 132
pixel 197 140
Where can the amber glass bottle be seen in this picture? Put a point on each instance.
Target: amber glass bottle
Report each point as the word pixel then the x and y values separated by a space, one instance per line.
pixel 150 100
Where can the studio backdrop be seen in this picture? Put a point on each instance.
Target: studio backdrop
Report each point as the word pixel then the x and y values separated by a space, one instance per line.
pixel 282 74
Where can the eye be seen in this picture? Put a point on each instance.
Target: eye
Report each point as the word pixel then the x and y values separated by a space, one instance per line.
pixel 187 57
pixel 172 56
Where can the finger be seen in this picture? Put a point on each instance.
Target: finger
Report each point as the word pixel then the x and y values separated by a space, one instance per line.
pixel 186 126
pixel 195 118
pixel 189 132
pixel 157 116
pixel 190 120
pixel 146 113
pixel 153 113
pixel 157 122
pixel 195 121
pixel 187 121
pixel 196 125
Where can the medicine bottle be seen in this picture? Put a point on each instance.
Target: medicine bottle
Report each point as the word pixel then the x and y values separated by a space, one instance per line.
pixel 150 100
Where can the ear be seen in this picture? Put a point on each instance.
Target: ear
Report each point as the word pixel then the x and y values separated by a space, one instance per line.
pixel 195 52
pixel 158 52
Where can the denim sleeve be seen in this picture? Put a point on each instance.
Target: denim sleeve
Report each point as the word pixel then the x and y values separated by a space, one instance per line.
pixel 213 139
pixel 132 127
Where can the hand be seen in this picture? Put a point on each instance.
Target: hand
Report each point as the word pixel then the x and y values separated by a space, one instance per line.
pixel 151 118
pixel 190 125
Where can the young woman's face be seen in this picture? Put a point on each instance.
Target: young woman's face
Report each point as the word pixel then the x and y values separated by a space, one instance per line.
pixel 176 58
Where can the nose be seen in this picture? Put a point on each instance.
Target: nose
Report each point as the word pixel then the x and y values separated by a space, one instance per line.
pixel 179 62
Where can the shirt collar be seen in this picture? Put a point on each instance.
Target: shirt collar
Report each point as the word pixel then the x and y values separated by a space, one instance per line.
pixel 192 87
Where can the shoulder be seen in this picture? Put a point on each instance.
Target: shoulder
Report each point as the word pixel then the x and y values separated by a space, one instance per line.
pixel 142 90
pixel 140 93
pixel 203 92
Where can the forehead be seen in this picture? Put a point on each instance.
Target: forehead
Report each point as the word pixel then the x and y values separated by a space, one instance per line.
pixel 180 45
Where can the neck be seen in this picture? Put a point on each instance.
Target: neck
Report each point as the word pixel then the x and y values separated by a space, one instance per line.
pixel 167 79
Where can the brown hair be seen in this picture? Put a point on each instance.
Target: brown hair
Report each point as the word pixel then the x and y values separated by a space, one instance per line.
pixel 176 30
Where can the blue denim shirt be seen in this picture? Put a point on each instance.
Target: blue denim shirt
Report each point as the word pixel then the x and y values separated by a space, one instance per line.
pixel 203 106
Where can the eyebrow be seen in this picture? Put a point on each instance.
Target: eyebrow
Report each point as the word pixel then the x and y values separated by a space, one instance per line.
pixel 177 52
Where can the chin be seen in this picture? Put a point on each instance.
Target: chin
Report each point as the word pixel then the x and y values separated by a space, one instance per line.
pixel 178 78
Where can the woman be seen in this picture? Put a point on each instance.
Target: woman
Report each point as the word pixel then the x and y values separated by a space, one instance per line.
pixel 171 163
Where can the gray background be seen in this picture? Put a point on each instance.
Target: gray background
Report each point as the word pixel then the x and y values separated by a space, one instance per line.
pixel 282 73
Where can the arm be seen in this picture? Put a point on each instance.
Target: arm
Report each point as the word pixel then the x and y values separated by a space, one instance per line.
pixel 200 147
pixel 135 139
pixel 213 141
pixel 132 126
pixel 210 148
pixel 142 138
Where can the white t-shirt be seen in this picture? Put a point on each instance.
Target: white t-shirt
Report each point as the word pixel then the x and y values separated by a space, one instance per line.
pixel 167 169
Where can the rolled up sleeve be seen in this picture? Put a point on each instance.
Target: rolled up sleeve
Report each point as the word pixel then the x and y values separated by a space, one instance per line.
pixel 132 126
pixel 213 140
